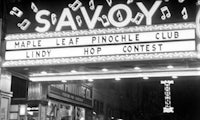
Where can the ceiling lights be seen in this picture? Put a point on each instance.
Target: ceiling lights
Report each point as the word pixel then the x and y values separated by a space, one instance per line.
pixel 174 77
pixel 137 68
pixel 104 70
pixel 90 80
pixel 170 67
pixel 43 72
pixel 145 78
pixel 63 81
pixel 73 71
pixel 117 79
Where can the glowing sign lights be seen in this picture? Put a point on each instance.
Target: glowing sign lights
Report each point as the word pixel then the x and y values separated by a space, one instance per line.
pixel 92 14
pixel 167 92
pixel 101 45
pixel 156 36
pixel 98 29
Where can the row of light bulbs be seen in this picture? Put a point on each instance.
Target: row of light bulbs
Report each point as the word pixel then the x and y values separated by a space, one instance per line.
pixel 117 78
pixel 100 31
pixel 135 68
pixel 145 78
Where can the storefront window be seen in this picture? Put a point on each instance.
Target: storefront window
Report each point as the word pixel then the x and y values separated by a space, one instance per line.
pixel 59 111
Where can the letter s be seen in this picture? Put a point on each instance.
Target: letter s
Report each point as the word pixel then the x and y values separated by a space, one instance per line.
pixel 41 20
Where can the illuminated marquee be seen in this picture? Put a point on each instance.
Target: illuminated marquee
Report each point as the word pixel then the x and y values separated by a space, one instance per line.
pixel 156 36
pixel 99 29
pixel 99 45
pixel 45 16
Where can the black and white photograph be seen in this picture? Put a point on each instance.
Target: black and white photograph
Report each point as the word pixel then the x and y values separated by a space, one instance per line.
pixel 100 60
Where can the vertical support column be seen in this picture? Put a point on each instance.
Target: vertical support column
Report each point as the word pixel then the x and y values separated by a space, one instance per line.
pixel 198 28
pixel 37 95
pixel 5 94
pixel 5 77
pixel 5 80
pixel 37 91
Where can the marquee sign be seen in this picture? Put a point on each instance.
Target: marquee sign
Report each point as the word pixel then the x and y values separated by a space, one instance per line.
pixel 104 30
pixel 71 97
pixel 30 16
pixel 101 45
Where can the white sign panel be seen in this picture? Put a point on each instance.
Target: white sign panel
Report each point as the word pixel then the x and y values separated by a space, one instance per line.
pixel 100 50
pixel 101 39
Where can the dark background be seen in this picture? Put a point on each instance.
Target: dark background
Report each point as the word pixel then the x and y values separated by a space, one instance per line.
pixel 56 6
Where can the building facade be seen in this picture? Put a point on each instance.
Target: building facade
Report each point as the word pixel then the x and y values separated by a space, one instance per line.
pixel 52 49
pixel 5 77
